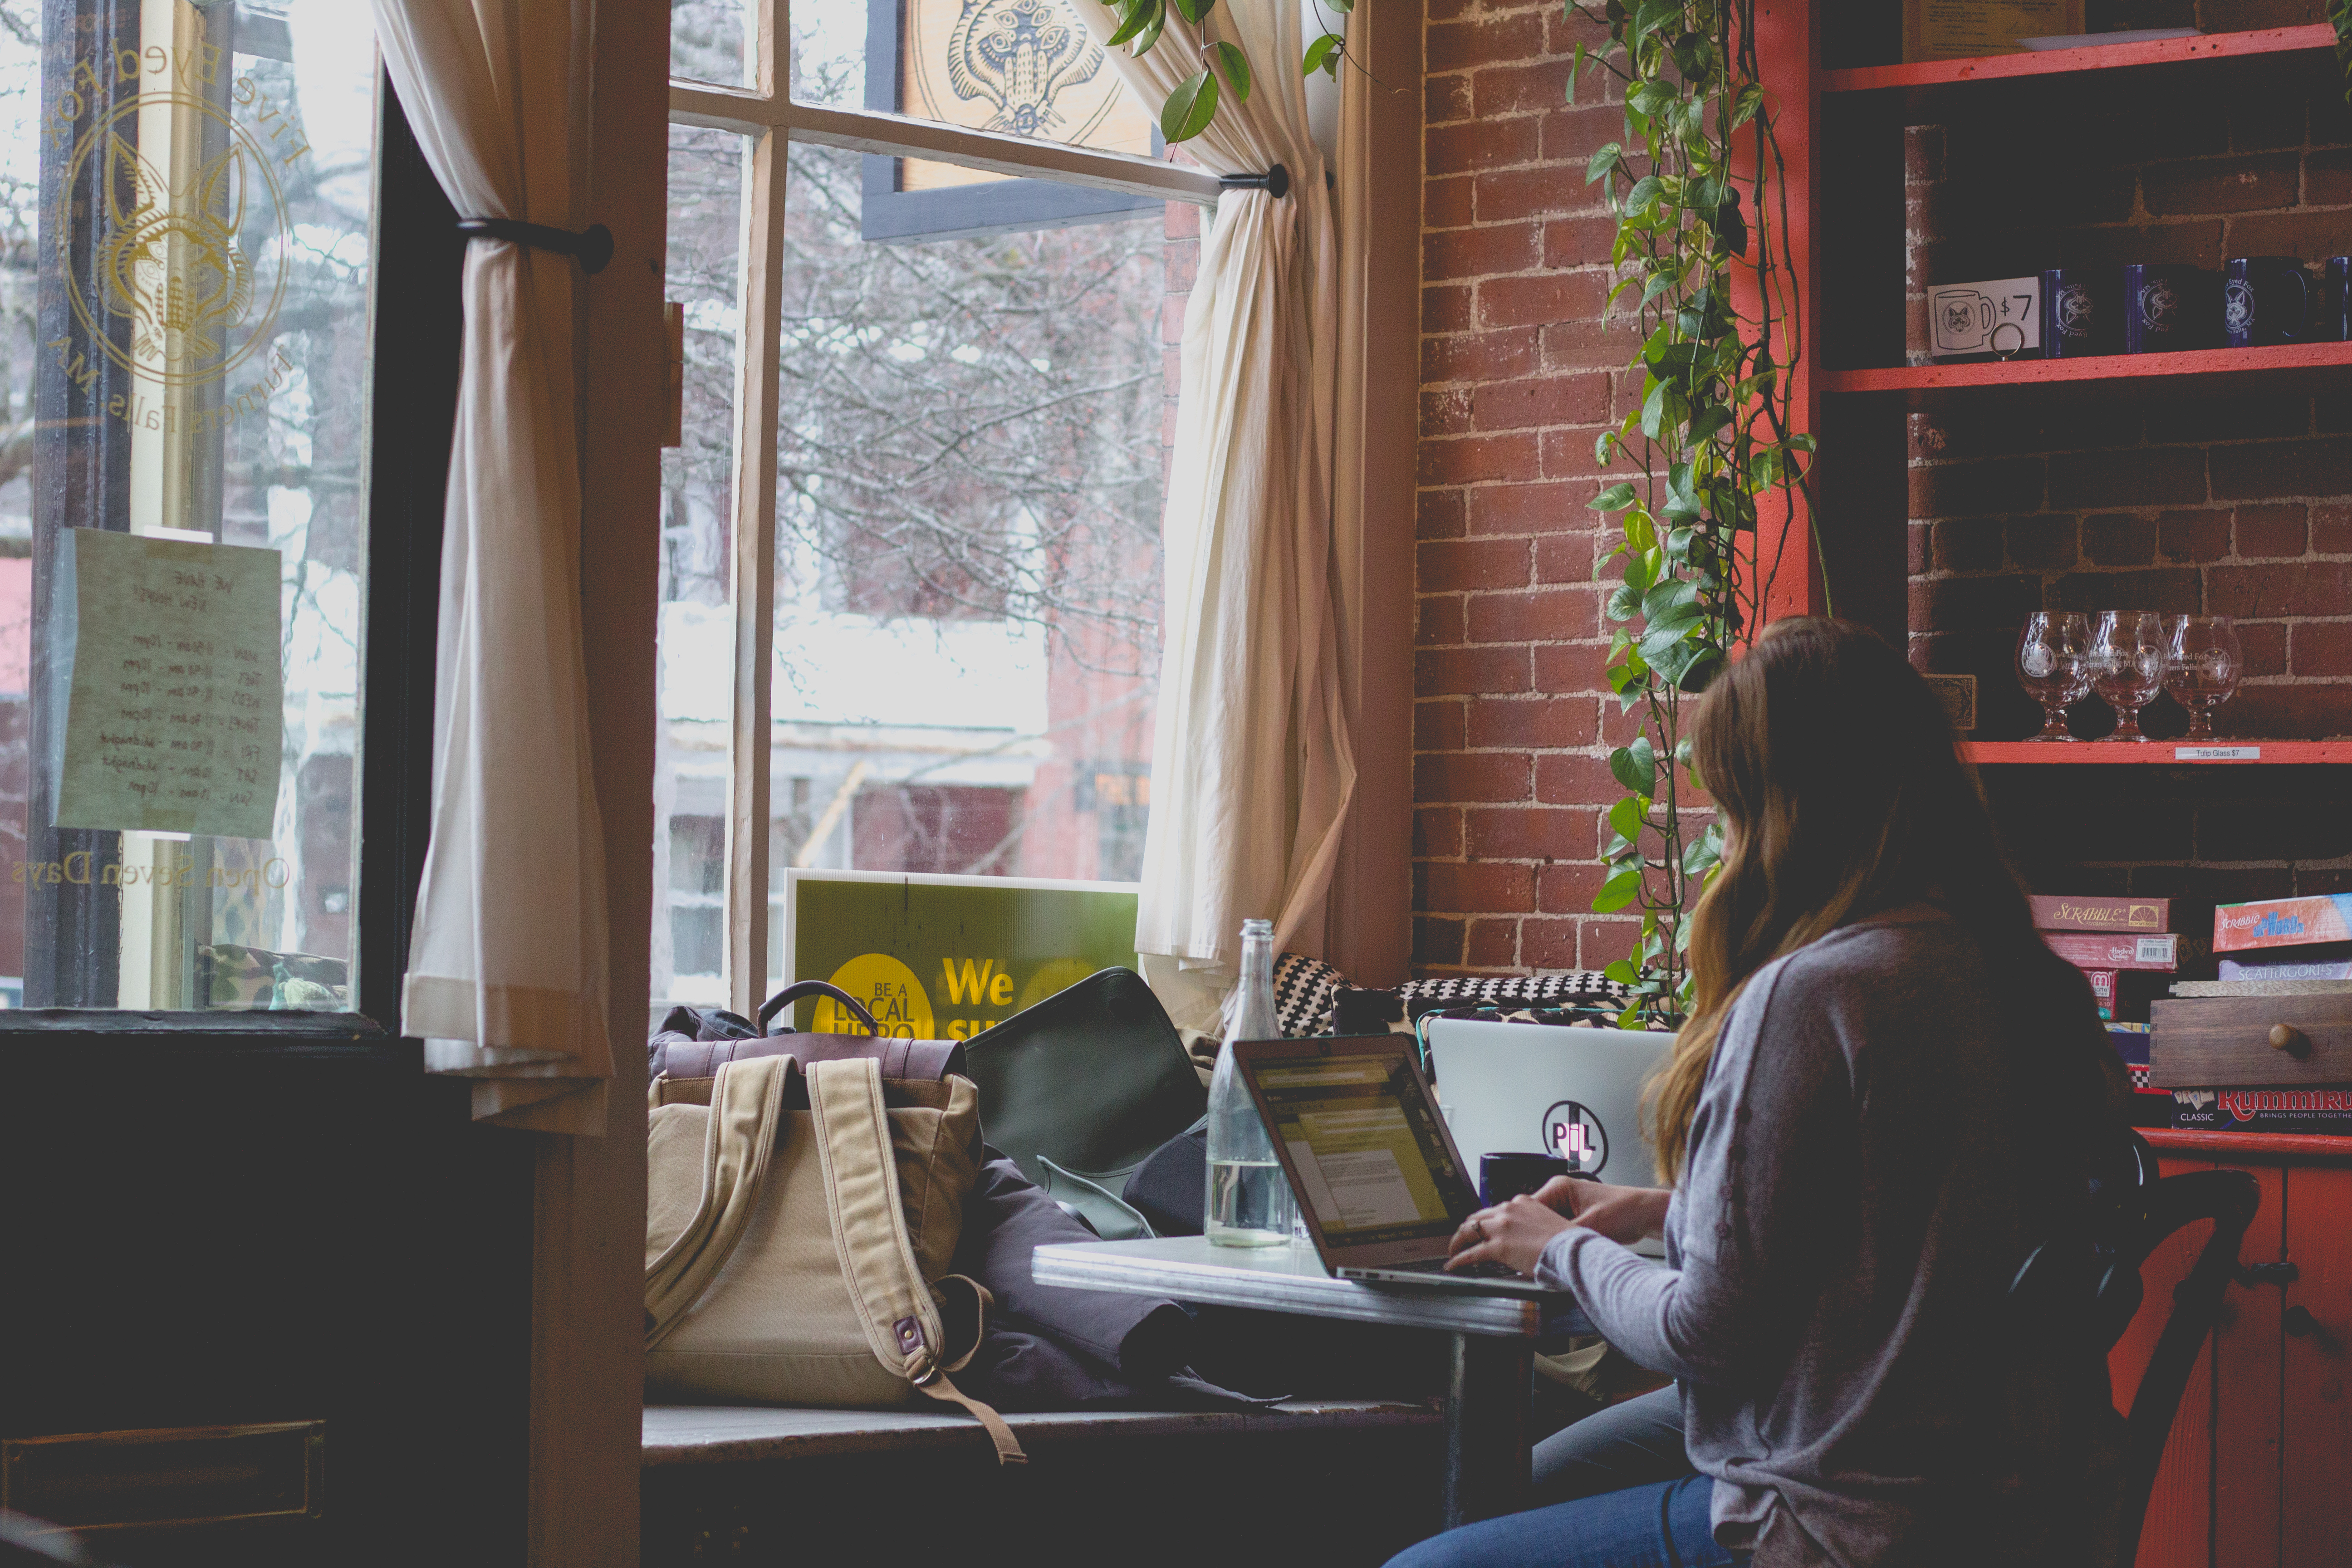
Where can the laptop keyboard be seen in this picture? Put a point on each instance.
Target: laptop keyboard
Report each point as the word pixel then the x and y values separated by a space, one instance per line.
pixel 1437 1266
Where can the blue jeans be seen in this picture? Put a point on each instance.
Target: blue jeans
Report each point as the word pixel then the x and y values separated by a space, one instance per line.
pixel 1663 1525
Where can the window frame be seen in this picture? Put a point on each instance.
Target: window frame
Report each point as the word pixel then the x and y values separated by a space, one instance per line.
pixel 766 117
pixel 418 261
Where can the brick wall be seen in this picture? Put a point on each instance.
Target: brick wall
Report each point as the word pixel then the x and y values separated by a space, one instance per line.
pixel 1510 737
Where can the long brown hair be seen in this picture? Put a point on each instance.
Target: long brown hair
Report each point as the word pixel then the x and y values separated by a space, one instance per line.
pixel 1843 792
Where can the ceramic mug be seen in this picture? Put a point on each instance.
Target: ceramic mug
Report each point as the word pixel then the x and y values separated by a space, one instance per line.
pixel 2165 308
pixel 2078 311
pixel 2265 299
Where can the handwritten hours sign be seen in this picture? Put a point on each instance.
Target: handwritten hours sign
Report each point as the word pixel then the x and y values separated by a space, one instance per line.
pixel 176 700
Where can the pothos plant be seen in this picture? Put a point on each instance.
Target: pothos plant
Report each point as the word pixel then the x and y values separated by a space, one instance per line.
pixel 1193 104
pixel 1699 192
pixel 2339 17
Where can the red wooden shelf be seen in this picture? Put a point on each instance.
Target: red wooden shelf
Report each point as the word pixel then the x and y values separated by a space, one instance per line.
pixel 2158 754
pixel 2098 57
pixel 2226 1145
pixel 2188 370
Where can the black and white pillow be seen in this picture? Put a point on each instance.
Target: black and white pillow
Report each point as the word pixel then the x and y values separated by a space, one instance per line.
pixel 1305 990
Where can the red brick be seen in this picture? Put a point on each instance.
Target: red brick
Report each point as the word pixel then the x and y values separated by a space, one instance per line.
pixel 1580 344
pixel 1923 154
pixel 2271 530
pixel 2328 178
pixel 1603 941
pixel 2119 541
pixel 1547 944
pixel 1445 411
pixel 1438 514
pixel 1568 779
pixel 1440 620
pixel 2299 712
pixel 1570 889
pixel 1969 543
pixel 1479 252
pixel 1438 726
pixel 1541 833
pixel 2263 646
pixel 2193 535
pixel 1962 490
pixel 1538 617
pixel 1951 604
pixel 1480 144
pixel 2172 591
pixel 1446 204
pixel 1477 888
pixel 1568 455
pixel 1445 565
pixel 1579 241
pixel 1468 459
pixel 1434 940
pixel 1441 776
pixel 1478 357
pixel 2040 543
pixel 2331 530
pixel 1536 87
pixel 1444 99
pixel 1530 509
pixel 1547 190
pixel 1474 671
pixel 2298 232
pixel 1492 944
pixel 1573 135
pixel 1539 722
pixel 1568 667
pixel 1450 46
pixel 2254 472
pixel 1437 832
pixel 2163 476
pixel 2317 647
pixel 2301 588
pixel 1446 308
pixel 1549 297
pixel 1566 557
pixel 1542 400
pixel 2221 186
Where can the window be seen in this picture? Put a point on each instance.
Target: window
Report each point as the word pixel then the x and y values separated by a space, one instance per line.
pixel 911 574
pixel 186 259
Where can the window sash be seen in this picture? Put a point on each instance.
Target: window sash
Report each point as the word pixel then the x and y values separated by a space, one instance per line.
pixel 767 117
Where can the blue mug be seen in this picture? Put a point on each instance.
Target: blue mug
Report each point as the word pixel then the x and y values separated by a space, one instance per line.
pixel 1501 1177
pixel 2169 306
pixel 2334 322
pixel 2265 300
pixel 2078 311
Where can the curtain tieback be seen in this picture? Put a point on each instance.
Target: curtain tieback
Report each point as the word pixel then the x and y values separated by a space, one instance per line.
pixel 593 246
pixel 1275 182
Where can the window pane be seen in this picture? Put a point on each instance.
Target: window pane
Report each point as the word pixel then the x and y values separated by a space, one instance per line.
pixel 183 536
pixel 968 580
pixel 709 41
pixel 706 200
pixel 1028 67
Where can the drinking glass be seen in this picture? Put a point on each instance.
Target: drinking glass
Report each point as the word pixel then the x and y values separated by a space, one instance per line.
pixel 2130 650
pixel 2203 664
pixel 2054 666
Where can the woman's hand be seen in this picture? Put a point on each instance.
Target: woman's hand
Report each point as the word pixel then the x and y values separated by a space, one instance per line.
pixel 1623 1214
pixel 1511 1234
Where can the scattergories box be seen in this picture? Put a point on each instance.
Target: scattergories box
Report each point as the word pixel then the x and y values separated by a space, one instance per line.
pixel 2293 1107
pixel 2283 923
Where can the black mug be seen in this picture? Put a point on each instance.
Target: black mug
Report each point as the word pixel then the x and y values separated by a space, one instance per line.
pixel 2078 311
pixel 2167 306
pixel 1501 1177
pixel 2265 299
pixel 2333 323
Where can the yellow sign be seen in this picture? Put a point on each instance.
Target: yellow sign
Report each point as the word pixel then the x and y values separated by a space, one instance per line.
pixel 888 990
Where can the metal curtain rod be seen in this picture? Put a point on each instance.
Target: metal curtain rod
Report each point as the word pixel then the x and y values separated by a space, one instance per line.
pixel 1275 182
pixel 593 246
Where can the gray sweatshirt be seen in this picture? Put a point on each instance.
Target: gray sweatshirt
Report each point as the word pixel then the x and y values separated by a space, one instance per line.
pixel 1889 1126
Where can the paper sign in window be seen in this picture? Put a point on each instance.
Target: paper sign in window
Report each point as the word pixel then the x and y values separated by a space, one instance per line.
pixel 168 652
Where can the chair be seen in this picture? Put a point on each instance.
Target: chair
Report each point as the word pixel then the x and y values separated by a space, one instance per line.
pixel 2091 1282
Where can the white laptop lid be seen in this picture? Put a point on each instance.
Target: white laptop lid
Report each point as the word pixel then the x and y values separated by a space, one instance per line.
pixel 1510 1089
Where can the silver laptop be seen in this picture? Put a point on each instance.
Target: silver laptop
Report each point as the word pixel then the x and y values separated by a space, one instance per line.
pixel 1380 1184
pixel 1511 1089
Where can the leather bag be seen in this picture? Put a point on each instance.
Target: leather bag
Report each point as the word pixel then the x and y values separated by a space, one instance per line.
pixel 1082 1088
pixel 800 1222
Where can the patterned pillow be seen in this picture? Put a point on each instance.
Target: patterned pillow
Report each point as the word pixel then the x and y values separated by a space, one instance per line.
pixel 1305 989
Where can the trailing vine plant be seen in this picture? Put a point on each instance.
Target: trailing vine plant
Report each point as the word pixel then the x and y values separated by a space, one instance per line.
pixel 1698 188
pixel 1193 104
pixel 2339 17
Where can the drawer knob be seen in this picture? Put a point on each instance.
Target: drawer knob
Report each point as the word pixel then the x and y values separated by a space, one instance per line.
pixel 2290 1039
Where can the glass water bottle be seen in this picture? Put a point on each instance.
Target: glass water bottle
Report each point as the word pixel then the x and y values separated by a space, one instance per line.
pixel 1249 1201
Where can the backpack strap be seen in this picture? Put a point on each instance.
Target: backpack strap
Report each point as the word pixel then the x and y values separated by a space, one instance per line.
pixel 746 1104
pixel 898 1310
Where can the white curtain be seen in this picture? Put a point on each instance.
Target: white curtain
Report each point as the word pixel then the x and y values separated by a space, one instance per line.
pixel 1251 765
pixel 506 969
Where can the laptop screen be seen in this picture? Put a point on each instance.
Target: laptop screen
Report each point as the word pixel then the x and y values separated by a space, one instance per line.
pixel 1362 1136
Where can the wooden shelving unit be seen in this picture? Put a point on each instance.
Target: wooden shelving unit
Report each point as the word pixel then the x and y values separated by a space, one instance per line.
pixel 2067 62
pixel 2158 754
pixel 2282 368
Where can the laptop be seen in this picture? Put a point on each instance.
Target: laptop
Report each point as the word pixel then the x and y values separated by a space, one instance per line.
pixel 1378 1178
pixel 1510 1089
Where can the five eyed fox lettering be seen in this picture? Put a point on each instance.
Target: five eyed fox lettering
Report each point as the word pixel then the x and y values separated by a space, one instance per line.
pixel 171 260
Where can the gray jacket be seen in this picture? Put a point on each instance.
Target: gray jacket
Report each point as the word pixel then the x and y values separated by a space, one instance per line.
pixel 1889 1125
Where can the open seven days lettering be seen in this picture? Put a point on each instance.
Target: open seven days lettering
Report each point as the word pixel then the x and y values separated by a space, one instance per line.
pixel 78 869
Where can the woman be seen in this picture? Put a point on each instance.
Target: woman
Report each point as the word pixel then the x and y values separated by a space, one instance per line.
pixel 1882 1102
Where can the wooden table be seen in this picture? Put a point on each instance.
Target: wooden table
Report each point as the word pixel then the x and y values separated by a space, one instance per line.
pixel 1491 1338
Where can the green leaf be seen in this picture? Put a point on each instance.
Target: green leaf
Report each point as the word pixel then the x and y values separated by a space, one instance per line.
pixel 1194 10
pixel 1237 70
pixel 1575 70
pixel 1643 195
pixel 1622 972
pixel 1323 55
pixel 1345 7
pixel 1152 29
pixel 1600 163
pixel 1137 18
pixel 1616 497
pixel 1617 892
pixel 1189 108
pixel 1635 766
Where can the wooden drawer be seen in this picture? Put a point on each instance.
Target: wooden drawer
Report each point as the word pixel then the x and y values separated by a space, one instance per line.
pixel 2200 1041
